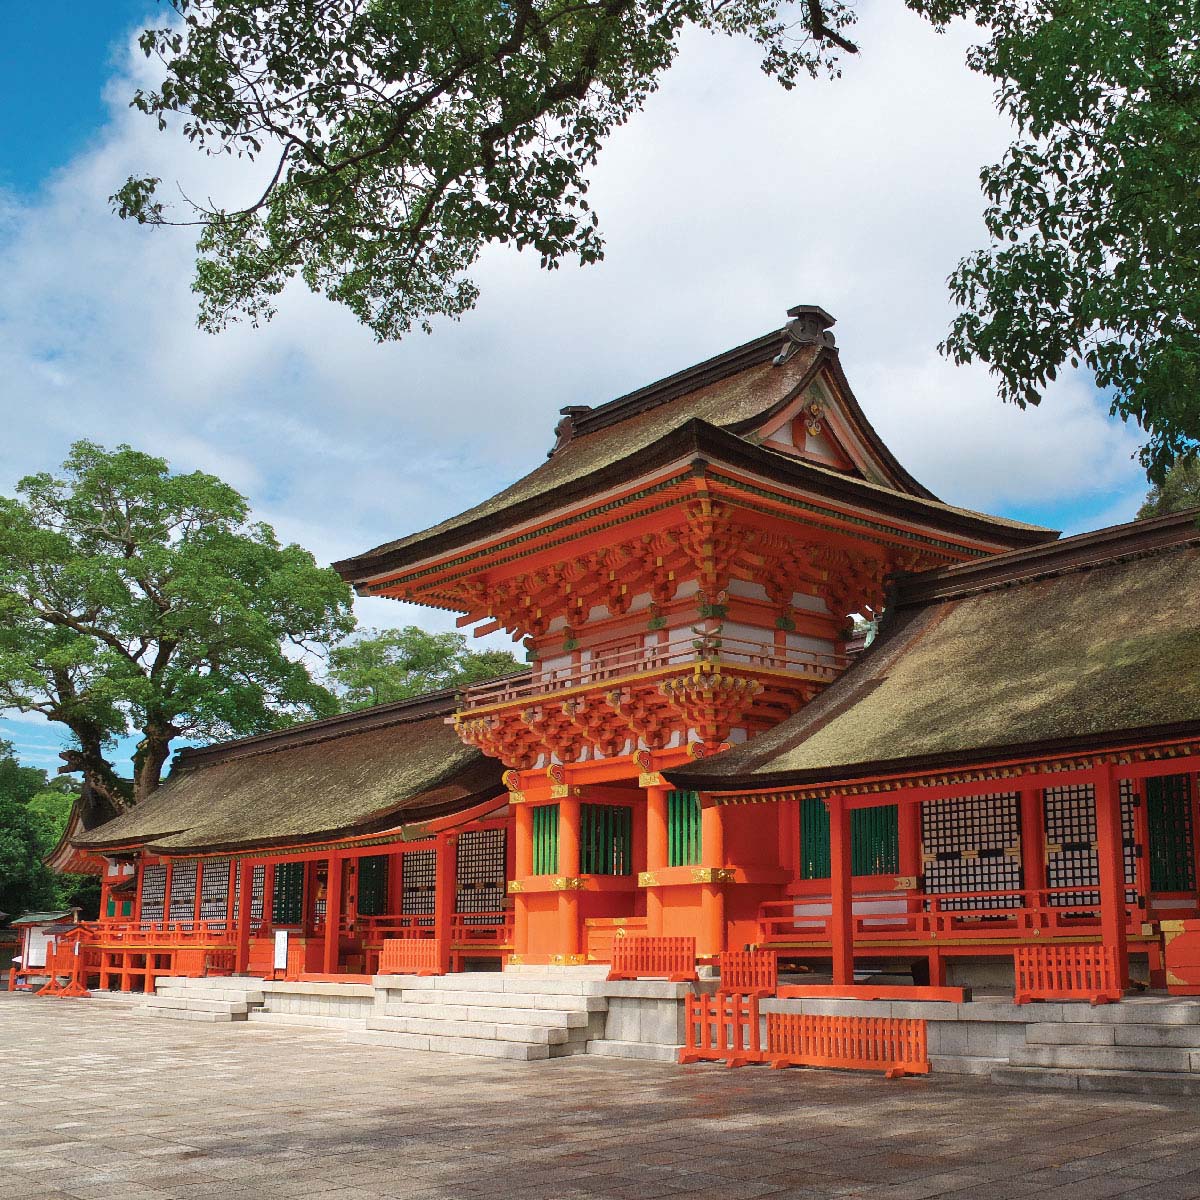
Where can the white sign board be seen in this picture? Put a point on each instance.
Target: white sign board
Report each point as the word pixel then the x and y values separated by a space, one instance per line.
pixel 281 949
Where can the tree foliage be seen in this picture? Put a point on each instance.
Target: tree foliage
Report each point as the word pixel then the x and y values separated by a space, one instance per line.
pixel 137 600
pixel 397 139
pixel 379 666
pixel 1179 490
pixel 33 816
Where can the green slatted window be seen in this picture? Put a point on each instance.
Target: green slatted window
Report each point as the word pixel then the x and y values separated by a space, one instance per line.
pixel 814 839
pixel 605 839
pixel 683 828
pixel 1172 846
pixel 287 900
pixel 545 839
pixel 372 885
pixel 874 840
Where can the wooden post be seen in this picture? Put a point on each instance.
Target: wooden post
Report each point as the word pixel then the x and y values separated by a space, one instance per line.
pixel 166 917
pixel 712 895
pixel 789 829
pixel 445 890
pixel 241 958
pixel 333 912
pixel 568 868
pixel 841 920
pixel 137 892
pixel 1033 842
pixel 268 900
pixel 1111 861
pixel 231 895
pixel 522 869
pixel 657 854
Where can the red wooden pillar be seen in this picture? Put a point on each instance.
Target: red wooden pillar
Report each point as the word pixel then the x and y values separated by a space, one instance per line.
pixel 1111 861
pixel 445 893
pixel 241 958
pixel 166 917
pixel 268 900
pixel 522 869
pixel 568 866
pixel 657 854
pixel 139 864
pixel 201 867
pixel 712 895
pixel 333 912
pixel 1033 843
pixel 231 896
pixel 841 919
pixel 789 829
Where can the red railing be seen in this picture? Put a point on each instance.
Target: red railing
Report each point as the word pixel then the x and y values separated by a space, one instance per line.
pixel 602 666
pixel 1066 973
pixel 476 929
pixel 721 1027
pixel 411 956
pixel 902 916
pixel 749 972
pixel 642 957
pixel 895 1045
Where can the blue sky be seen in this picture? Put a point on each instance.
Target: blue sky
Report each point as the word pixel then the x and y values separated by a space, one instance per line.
pixel 723 204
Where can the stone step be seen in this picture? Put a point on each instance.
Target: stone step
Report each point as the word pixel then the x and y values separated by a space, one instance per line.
pixel 191 1014
pixel 484 1030
pixel 262 1016
pixel 491 982
pixel 1106 1058
pixel 555 1002
pixel 521 1051
pixel 1125 1033
pixel 231 982
pixel 1148 1011
pixel 197 1004
pixel 641 1051
pixel 964 1064
pixel 195 995
pixel 555 1017
pixel 1147 1083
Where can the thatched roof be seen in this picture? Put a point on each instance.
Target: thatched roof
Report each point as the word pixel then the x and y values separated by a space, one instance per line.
pixel 1091 641
pixel 354 774
pixel 731 394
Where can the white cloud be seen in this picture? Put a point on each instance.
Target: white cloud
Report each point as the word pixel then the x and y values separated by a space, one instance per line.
pixel 723 204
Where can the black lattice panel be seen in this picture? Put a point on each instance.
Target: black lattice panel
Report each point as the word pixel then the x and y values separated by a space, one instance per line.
pixel 1070 815
pixel 418 879
pixel 1129 841
pixel 214 892
pixel 258 881
pixel 973 845
pixel 154 893
pixel 183 892
pixel 482 875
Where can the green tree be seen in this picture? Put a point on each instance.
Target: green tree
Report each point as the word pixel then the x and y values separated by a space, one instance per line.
pixel 137 600
pixel 397 139
pixel 1180 489
pixel 379 666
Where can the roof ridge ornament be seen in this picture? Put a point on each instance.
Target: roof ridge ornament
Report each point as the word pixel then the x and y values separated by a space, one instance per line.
pixel 809 326
pixel 564 431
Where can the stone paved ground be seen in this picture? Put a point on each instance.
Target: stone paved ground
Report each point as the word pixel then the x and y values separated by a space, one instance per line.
pixel 97 1101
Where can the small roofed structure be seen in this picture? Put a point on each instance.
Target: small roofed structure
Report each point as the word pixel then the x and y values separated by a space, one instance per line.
pixel 38 931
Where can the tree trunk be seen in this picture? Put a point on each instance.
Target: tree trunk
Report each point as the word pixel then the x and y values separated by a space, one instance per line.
pixel 88 760
pixel 150 757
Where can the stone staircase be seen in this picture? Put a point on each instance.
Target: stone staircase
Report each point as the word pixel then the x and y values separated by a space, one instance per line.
pixel 216 999
pixel 1148 1045
pixel 521 1015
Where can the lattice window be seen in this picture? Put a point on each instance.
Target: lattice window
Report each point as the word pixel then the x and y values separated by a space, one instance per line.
pixel 874 840
pixel 683 829
pixel 973 845
pixel 154 893
pixel 482 874
pixel 1171 837
pixel 183 891
pixel 419 879
pixel 1129 838
pixel 258 878
pixel 1071 859
pixel 605 839
pixel 372 885
pixel 214 892
pixel 545 839
pixel 287 898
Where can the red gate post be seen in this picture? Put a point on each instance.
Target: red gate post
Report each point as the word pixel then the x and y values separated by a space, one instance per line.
pixel 568 867
pixel 522 868
pixel 333 913
pixel 445 893
pixel 1110 855
pixel 712 894
pixel 241 963
pixel 841 918
pixel 657 854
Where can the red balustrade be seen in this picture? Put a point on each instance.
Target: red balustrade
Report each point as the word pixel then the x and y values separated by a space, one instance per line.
pixel 641 957
pixel 897 1046
pixel 750 972
pixel 721 1027
pixel 1066 973
pixel 411 956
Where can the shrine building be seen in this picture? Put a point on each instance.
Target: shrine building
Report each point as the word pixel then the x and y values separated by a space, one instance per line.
pixel 701 747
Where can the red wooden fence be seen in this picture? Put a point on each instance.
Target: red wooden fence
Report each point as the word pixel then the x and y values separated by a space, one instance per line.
pixel 641 957
pixel 751 972
pixel 1066 973
pixel 410 956
pixel 897 1046
pixel 721 1027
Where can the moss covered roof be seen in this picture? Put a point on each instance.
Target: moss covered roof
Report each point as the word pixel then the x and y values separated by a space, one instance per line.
pixel 1090 639
pixel 358 773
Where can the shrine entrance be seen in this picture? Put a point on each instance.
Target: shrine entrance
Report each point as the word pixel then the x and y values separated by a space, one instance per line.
pixel 1170 827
